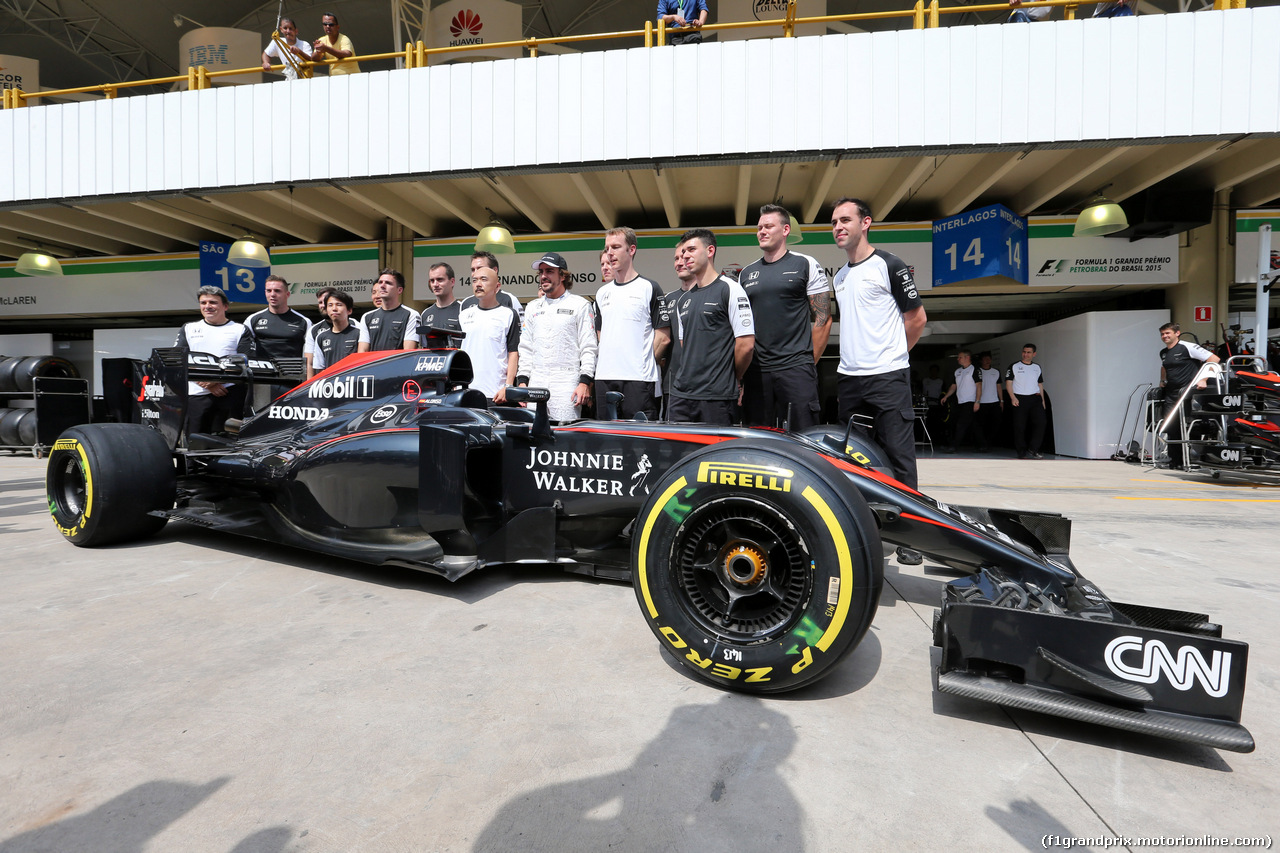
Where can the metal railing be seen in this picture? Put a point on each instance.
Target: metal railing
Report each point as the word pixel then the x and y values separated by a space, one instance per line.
pixel 418 55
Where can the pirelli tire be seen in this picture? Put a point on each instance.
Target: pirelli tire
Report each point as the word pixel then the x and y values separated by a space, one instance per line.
pixel 27 369
pixel 758 566
pixel 104 479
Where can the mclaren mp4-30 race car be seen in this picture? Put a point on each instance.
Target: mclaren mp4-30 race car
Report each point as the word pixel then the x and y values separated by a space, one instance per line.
pixel 756 555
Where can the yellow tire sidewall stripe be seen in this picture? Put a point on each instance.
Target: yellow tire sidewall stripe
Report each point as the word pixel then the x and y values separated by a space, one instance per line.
pixel 642 564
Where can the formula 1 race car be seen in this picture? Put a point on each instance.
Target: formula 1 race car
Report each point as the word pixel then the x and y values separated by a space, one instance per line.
pixel 756 555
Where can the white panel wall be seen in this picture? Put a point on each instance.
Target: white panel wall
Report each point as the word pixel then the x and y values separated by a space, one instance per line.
pixel 1181 75
pixel 1092 363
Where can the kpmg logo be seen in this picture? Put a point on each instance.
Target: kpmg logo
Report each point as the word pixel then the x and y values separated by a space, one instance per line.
pixel 1133 660
pixel 430 364
pixel 465 28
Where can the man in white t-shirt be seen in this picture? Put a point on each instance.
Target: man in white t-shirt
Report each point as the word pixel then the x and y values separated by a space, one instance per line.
pixel 299 50
pixel 966 388
pixel 492 336
pixel 1024 381
pixel 634 332
pixel 991 404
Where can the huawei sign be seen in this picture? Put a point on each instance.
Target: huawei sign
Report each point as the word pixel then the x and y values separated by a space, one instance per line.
pixel 465 27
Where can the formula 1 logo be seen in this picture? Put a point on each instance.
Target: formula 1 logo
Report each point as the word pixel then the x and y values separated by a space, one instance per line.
pixel 1053 266
pixel 465 24
pixel 1182 670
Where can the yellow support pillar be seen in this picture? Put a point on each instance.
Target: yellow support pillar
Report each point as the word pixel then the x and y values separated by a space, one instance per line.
pixel 662 33
pixel 409 57
pixel 648 33
pixel 933 14
pixel 789 25
pixel 1069 12
pixel 917 18
pixel 420 50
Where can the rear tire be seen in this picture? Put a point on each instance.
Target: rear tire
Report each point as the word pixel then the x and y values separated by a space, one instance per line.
pixel 104 479
pixel 7 366
pixel 9 426
pixel 757 565
pixel 24 376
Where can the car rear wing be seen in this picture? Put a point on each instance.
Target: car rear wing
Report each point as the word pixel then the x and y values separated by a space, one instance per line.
pixel 162 398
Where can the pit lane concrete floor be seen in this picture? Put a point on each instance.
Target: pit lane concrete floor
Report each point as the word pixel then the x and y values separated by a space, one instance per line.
pixel 198 692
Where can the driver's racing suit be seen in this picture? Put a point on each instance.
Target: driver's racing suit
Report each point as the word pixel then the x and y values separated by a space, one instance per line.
pixel 558 350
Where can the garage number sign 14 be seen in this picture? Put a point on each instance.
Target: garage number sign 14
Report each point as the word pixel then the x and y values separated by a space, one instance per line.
pixel 241 284
pixel 989 241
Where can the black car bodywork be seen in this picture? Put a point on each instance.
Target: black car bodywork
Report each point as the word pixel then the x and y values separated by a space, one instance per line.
pixel 756 555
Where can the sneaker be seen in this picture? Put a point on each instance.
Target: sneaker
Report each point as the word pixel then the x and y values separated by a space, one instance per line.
pixel 1035 454
pixel 907 557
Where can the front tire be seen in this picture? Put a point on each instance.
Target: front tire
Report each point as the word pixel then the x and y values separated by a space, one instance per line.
pixel 757 567
pixel 104 479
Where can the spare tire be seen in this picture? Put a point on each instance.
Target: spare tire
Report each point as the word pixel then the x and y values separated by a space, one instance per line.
pixel 24 375
pixel 7 366
pixel 26 423
pixel 9 426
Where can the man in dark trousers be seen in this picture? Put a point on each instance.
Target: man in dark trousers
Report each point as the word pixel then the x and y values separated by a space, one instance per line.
pixel 280 332
pixel 714 331
pixel 966 388
pixel 1179 364
pixel 1024 381
pixel 791 305
pixel 209 404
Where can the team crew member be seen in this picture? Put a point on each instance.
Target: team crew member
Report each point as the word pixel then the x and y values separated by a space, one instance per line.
pixel 606 269
pixel 280 332
pixel 209 404
pixel 966 388
pixel 444 313
pixel 309 345
pixel 991 404
pixel 492 336
pixel 1024 382
pixel 558 341
pixel 391 326
pixel 341 336
pixel 791 303
pixel 882 317
pixel 633 327
pixel 715 332
pixel 671 362
pixel 1179 364
pixel 490 260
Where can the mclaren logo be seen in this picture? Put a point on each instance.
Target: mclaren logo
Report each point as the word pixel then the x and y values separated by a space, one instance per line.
pixel 297 413
pixel 762 477
pixel 1133 660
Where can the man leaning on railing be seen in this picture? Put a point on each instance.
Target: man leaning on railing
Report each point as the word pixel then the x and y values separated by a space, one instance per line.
pixel 685 15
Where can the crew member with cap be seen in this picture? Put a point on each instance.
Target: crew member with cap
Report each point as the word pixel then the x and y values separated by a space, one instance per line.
pixel 558 341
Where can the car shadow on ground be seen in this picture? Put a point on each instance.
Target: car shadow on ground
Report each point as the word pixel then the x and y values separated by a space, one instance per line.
pixel 712 774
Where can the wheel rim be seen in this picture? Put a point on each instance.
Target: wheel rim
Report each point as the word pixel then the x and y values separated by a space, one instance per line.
pixel 741 568
pixel 69 488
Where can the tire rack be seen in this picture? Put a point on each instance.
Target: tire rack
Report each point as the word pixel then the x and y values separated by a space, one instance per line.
pixel 60 403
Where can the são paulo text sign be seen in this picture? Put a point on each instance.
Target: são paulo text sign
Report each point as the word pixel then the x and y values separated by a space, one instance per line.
pixel 241 284
pixel 978 243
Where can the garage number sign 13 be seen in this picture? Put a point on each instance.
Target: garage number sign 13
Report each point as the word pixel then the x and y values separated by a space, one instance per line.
pixel 241 284
pixel 989 241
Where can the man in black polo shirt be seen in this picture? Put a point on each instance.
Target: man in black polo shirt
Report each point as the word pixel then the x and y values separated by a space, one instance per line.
pixel 791 304
pixel 714 329
pixel 444 313
pixel 280 333
pixel 340 336
pixel 391 326
pixel 1179 364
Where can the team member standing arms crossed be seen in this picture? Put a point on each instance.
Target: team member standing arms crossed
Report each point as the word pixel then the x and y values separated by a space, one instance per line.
pixel 492 336
pixel 1025 383
pixel 558 341
pixel 791 304
pixel 631 323
pixel 881 318
pixel 715 333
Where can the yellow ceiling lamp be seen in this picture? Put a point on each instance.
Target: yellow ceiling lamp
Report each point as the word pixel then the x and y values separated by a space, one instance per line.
pixel 248 252
pixel 37 263
pixel 495 237
pixel 1101 217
